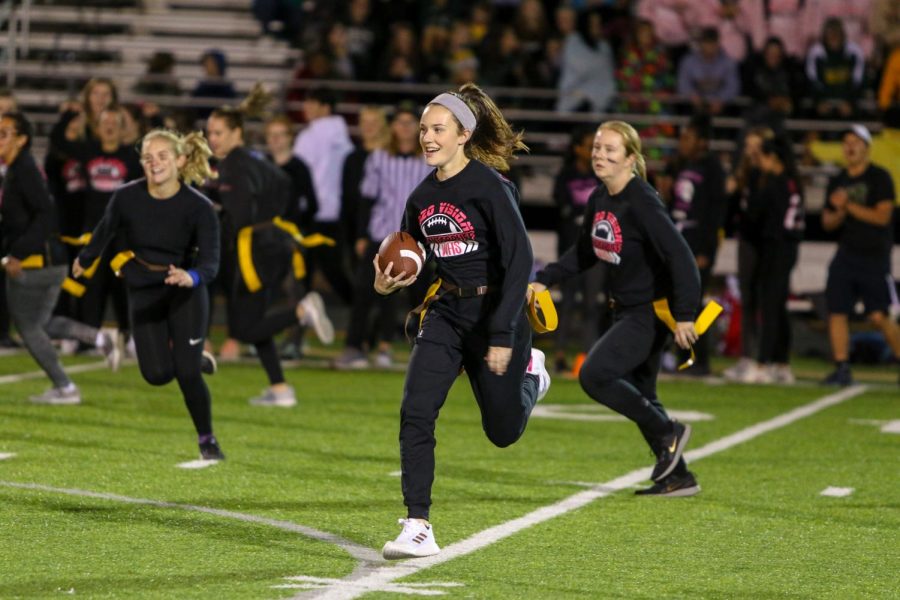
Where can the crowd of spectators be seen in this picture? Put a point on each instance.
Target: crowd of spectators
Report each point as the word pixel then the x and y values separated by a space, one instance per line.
pixel 813 58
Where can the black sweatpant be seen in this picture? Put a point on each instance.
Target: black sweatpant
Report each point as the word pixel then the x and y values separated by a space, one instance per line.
pixel 621 370
pixel 366 301
pixel 506 401
pixel 169 325
pixel 750 276
pixel 777 259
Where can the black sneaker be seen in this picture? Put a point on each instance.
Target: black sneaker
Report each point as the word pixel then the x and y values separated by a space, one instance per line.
pixel 674 486
pixel 671 446
pixel 208 364
pixel 841 376
pixel 211 451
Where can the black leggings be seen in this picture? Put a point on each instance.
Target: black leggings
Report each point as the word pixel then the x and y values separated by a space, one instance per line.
pixel 776 261
pixel 621 369
pixel 505 400
pixel 366 301
pixel 168 325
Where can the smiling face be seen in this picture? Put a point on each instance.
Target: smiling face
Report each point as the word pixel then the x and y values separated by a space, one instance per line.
pixel 222 139
pixel 161 163
pixel 609 157
pixel 440 137
pixel 278 137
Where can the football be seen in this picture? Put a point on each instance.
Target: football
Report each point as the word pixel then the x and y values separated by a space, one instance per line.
pixel 401 249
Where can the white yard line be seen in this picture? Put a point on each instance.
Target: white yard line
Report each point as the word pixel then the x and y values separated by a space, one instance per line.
pixel 380 576
pixel 361 553
pixel 15 378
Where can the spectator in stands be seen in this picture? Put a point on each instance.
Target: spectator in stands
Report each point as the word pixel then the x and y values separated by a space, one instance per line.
pixel 532 27
pixel 587 79
pixel 435 46
pixel 889 89
pixel 854 17
pixel 693 186
pixel 744 188
pixel 645 76
pixel 504 64
pixel 339 52
pixel 742 27
pixel 835 69
pixel 707 76
pixel 214 84
pixel 374 134
pixel 573 186
pixel 781 220
pixel 565 20
pixel 391 174
pixel 159 79
pixel 788 21
pixel 772 82
pixel 884 22
pixel 462 63
pixel 362 34
pixel 480 19
pixel 96 95
pixel 674 20
pixel 859 208
pixel 401 60
pixel 8 104
pixel 35 263
pixel 323 146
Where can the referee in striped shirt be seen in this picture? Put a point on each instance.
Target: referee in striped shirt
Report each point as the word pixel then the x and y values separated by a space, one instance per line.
pixel 389 176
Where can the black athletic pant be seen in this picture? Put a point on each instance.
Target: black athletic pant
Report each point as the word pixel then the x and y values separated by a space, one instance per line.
pixel 621 369
pixel 776 261
pixel 506 401
pixel 104 284
pixel 750 275
pixel 366 301
pixel 253 319
pixel 168 325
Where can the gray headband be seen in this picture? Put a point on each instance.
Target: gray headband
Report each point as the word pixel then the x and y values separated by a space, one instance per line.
pixel 458 107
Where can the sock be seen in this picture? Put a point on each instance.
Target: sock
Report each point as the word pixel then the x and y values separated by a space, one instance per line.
pixel 206 438
pixel 100 340
pixel 68 388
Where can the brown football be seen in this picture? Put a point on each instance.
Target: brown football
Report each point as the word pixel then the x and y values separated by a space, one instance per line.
pixel 401 249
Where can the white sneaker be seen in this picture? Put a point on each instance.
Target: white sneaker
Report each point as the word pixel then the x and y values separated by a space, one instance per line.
pixel 314 316
pixel 383 360
pixel 415 541
pixel 283 399
pixel 66 395
pixel 737 371
pixel 351 359
pixel 782 373
pixel 109 346
pixel 537 367
pixel 764 374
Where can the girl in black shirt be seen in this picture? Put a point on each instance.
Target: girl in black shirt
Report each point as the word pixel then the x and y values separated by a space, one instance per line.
pixel 627 229
pixel 253 192
pixel 171 235
pixel 467 214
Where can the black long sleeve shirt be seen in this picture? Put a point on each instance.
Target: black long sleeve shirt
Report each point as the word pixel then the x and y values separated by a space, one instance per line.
pixel 473 228
pixel 104 172
pixel 27 213
pixel 159 231
pixel 646 257
pixel 251 190
pixel 698 203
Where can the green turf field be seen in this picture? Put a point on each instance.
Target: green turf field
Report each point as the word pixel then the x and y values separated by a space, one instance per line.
pixel 93 505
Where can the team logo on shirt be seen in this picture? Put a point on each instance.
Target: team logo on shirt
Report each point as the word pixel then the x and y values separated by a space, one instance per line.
pixel 106 174
pixel 606 236
pixel 447 230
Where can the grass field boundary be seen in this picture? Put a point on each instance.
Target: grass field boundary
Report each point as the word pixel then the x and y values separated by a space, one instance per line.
pixel 379 576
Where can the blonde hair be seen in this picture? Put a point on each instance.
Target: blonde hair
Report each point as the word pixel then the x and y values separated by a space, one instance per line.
pixel 194 147
pixel 253 106
pixel 632 142
pixel 494 142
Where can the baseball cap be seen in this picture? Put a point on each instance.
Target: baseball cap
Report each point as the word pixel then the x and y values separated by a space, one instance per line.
pixel 860 131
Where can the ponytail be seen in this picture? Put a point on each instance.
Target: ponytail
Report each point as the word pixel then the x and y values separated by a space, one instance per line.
pixel 494 142
pixel 251 107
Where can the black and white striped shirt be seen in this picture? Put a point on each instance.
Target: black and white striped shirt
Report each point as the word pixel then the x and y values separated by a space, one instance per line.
pixel 388 180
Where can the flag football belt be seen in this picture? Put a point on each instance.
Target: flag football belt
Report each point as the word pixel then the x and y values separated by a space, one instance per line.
pixel 122 258
pixel 36 261
pixel 70 285
pixel 541 311
pixel 245 249
pixel 709 314
pixel 436 290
